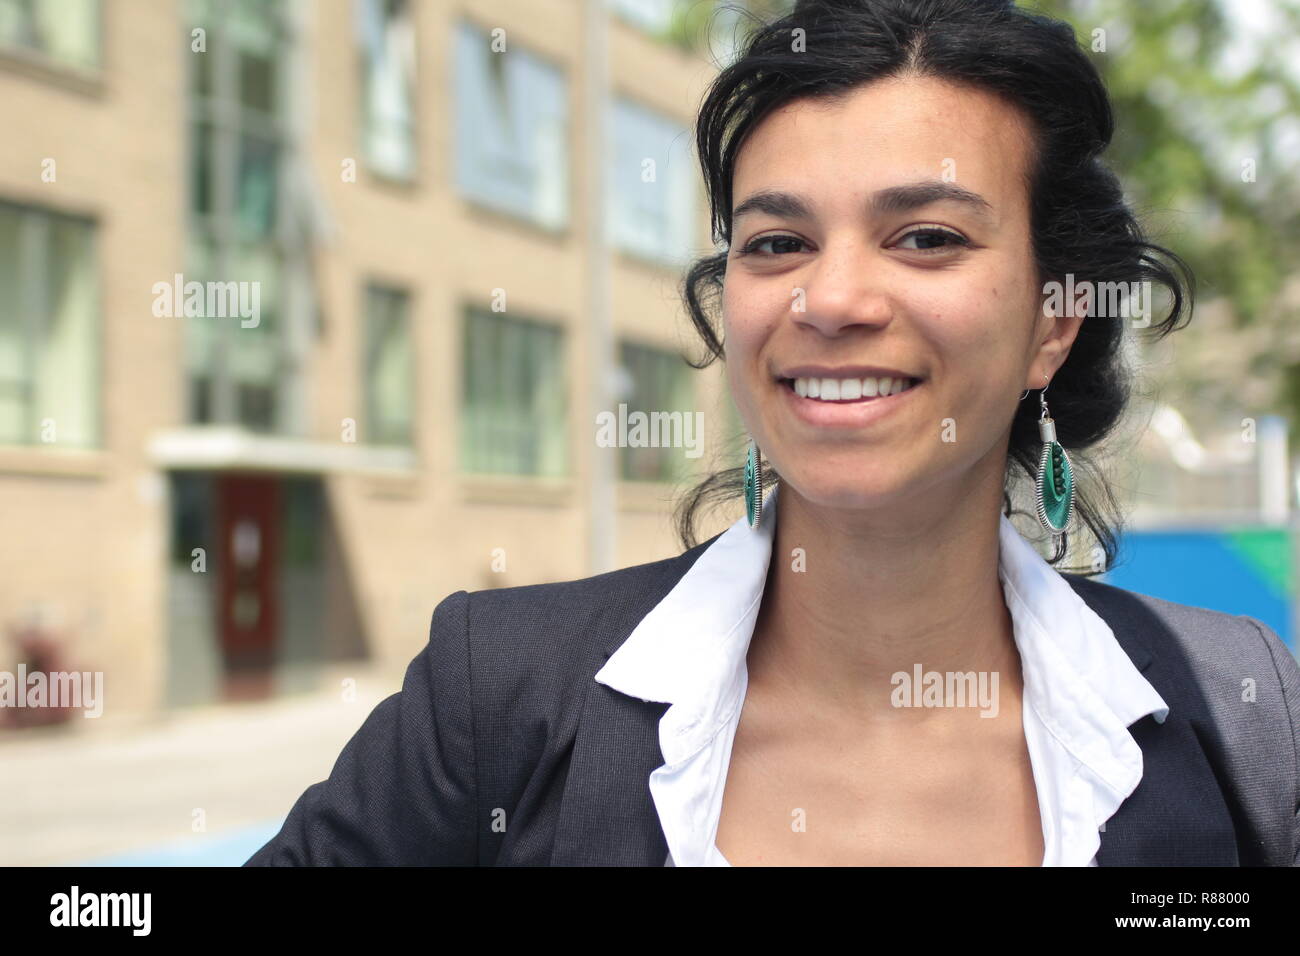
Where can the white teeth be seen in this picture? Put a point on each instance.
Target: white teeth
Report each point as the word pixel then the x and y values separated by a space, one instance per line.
pixel 850 389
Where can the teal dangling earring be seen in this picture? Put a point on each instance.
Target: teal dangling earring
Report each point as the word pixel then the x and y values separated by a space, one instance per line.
pixel 753 484
pixel 1055 486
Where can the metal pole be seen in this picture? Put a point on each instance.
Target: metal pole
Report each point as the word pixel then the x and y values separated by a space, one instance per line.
pixel 1274 481
pixel 601 514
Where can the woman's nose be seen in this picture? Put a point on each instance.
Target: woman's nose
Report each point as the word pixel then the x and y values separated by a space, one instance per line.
pixel 845 286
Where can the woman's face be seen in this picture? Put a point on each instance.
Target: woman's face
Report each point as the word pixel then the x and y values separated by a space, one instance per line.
pixel 848 260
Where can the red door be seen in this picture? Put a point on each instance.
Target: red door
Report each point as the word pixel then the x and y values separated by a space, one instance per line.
pixel 248 523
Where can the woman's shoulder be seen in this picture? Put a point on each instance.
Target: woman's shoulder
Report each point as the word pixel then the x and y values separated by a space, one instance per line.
pixel 596 598
pixel 553 630
pixel 1209 642
pixel 594 591
pixel 1190 620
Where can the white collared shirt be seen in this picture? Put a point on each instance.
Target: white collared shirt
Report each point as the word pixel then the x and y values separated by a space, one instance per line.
pixel 1081 692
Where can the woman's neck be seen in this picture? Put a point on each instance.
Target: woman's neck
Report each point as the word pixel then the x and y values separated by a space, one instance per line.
pixel 851 602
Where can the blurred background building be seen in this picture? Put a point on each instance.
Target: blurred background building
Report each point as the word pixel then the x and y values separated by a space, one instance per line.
pixel 432 241
pixel 221 505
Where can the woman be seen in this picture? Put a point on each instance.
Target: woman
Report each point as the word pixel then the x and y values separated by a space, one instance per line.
pixel 872 667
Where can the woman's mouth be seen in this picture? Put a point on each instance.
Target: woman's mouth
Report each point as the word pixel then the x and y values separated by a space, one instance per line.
pixel 848 389
pixel 848 402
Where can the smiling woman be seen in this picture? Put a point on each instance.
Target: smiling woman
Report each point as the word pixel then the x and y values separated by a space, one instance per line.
pixel 873 666
pixel 950 148
pixel 899 185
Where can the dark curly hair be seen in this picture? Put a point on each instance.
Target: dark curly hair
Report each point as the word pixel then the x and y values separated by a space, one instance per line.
pixel 1080 221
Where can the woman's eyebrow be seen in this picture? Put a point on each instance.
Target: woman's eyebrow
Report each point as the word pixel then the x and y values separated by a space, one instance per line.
pixel 894 199
pixel 915 195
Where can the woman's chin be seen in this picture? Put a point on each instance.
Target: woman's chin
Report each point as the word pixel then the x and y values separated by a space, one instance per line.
pixel 857 492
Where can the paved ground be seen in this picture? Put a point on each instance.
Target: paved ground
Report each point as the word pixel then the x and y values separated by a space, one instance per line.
pixel 127 794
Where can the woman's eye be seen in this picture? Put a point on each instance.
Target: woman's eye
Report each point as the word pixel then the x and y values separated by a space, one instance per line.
pixel 929 239
pixel 780 244
pixel 934 240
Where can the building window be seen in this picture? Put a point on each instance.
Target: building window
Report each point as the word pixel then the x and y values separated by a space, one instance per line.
pixel 387 38
pixel 66 32
pixel 656 381
pixel 652 196
pixel 513 419
pixel 49 327
pixel 389 375
pixel 238 233
pixel 652 16
pixel 511 129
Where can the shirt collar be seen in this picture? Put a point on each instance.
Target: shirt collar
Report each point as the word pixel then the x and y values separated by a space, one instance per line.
pixel 1081 683
pixel 690 650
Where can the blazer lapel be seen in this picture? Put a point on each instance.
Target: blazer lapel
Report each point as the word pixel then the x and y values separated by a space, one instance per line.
pixel 1177 815
pixel 607 815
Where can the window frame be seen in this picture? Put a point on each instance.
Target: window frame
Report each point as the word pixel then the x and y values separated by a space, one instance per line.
pixel 617 199
pixel 34 238
pixel 371 290
pixel 213 394
pixel 42 61
pixel 364 119
pixel 498 80
pixel 531 333
pixel 667 363
pixel 627 12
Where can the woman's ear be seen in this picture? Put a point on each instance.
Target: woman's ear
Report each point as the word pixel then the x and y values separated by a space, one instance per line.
pixel 1056 340
pixel 1061 313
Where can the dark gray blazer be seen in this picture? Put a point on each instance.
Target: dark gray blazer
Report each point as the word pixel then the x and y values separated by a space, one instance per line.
pixel 501 748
